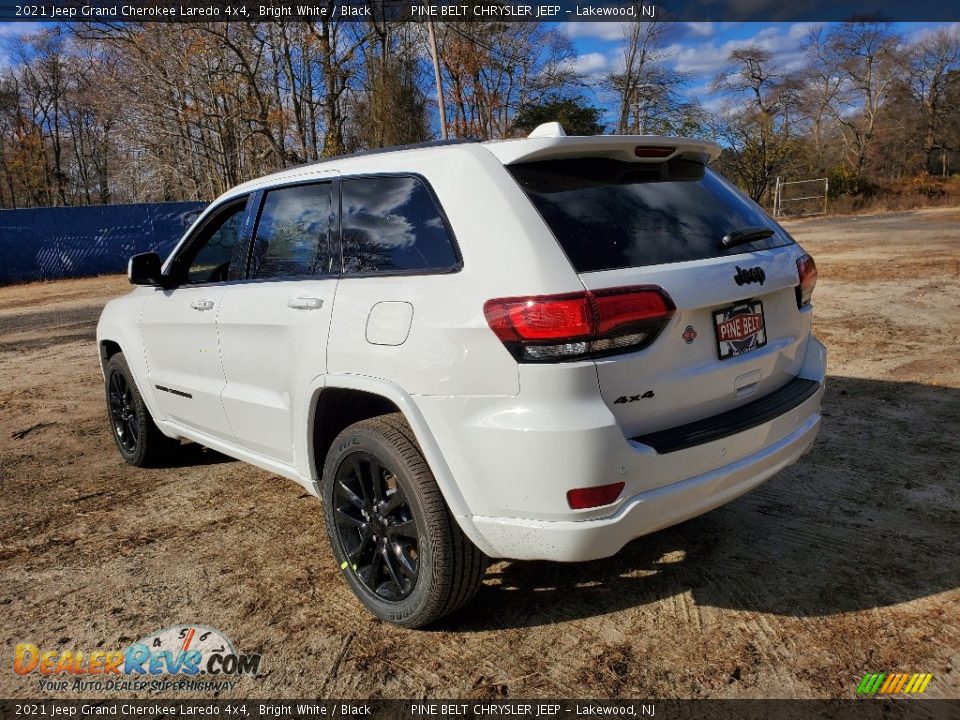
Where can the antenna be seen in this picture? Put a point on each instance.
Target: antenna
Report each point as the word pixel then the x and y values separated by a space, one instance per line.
pixel 550 129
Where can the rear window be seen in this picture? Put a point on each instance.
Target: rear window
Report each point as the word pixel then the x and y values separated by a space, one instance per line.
pixel 392 224
pixel 609 214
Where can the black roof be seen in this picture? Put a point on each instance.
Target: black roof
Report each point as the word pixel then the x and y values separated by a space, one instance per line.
pixel 394 148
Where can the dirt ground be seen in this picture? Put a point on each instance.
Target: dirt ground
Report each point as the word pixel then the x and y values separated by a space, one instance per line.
pixel 845 563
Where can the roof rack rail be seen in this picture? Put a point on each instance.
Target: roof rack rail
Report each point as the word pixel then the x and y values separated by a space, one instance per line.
pixel 394 148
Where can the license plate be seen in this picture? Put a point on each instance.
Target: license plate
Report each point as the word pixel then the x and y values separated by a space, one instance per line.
pixel 739 329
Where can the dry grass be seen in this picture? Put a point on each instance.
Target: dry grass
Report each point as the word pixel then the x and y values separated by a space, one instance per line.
pixel 889 202
pixel 914 193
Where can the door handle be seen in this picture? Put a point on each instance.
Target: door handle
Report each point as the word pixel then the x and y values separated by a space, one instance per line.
pixel 202 304
pixel 305 303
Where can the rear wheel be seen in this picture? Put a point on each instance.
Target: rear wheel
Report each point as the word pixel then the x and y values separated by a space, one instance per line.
pixel 393 537
pixel 139 440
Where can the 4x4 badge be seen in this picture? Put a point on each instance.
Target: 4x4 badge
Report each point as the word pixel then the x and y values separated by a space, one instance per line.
pixel 749 275
pixel 633 398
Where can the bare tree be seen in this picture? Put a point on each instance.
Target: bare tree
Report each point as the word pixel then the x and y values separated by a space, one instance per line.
pixel 933 59
pixel 643 78
pixel 819 85
pixel 758 132
pixel 868 57
pixel 751 70
pixel 108 112
pixel 391 101
pixel 43 79
pixel 494 69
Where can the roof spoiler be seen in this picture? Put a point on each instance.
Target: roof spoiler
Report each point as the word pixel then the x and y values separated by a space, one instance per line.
pixel 550 142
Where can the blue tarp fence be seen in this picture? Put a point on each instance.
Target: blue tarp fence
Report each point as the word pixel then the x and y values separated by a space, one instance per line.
pixel 60 242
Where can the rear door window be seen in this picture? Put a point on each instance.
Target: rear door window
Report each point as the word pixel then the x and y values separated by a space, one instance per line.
pixel 293 233
pixel 609 214
pixel 393 225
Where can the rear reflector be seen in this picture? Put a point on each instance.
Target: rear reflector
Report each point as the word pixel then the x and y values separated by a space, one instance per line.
pixel 808 280
pixel 582 498
pixel 549 328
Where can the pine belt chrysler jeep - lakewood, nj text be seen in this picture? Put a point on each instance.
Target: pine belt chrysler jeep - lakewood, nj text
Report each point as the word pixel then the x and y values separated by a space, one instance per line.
pixel 538 348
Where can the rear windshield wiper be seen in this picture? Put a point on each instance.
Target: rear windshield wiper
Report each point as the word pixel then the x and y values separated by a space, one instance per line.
pixel 745 235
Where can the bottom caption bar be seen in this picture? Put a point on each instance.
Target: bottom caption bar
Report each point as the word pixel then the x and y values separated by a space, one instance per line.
pixel 857 709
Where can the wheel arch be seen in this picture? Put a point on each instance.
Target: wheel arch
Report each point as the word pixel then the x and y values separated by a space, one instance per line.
pixel 379 397
pixel 112 340
pixel 108 348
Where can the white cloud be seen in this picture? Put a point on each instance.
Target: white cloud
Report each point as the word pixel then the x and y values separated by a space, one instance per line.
pixel 714 104
pixel 799 31
pixel 700 91
pixel 924 32
pixel 10 34
pixel 706 58
pixel 700 29
pixel 703 93
pixel 589 64
pixel 767 32
pixel 16 29
pixel 699 59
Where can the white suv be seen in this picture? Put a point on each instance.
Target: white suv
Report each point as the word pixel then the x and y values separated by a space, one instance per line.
pixel 533 349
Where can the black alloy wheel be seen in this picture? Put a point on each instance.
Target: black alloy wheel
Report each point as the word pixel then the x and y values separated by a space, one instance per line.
pixel 393 537
pixel 138 438
pixel 123 412
pixel 376 527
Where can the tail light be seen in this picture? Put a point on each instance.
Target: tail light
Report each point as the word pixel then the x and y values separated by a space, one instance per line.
pixel 582 498
pixel 808 280
pixel 554 328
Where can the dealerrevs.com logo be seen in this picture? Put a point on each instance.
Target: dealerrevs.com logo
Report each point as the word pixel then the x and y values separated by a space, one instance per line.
pixel 182 657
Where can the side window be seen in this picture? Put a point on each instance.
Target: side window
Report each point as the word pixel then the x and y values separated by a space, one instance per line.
pixel 292 237
pixel 208 258
pixel 392 224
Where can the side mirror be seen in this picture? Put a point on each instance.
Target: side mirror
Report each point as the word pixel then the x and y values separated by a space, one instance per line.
pixel 144 269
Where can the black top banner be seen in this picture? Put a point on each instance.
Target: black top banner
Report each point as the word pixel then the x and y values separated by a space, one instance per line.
pixel 474 11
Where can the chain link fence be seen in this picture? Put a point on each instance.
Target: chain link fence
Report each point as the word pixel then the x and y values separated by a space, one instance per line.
pixel 796 198
pixel 50 243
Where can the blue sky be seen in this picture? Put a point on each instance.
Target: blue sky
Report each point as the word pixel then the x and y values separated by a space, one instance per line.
pixel 702 48
pixel 699 48
pixel 9 32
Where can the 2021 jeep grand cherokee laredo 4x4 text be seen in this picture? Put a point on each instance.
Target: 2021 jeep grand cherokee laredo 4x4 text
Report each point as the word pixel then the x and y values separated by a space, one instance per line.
pixel 534 349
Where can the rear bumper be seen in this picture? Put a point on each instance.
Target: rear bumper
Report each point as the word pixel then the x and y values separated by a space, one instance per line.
pixel 647 512
pixel 513 460
pixel 732 422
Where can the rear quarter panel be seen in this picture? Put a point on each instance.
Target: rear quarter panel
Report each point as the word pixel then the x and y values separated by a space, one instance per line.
pixel 506 250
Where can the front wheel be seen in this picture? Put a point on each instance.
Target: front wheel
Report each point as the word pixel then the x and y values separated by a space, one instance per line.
pixel 139 440
pixel 393 537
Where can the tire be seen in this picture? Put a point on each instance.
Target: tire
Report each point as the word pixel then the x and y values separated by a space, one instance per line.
pixel 137 437
pixel 401 551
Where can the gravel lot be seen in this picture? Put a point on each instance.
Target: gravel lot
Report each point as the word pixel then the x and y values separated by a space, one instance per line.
pixel 845 563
